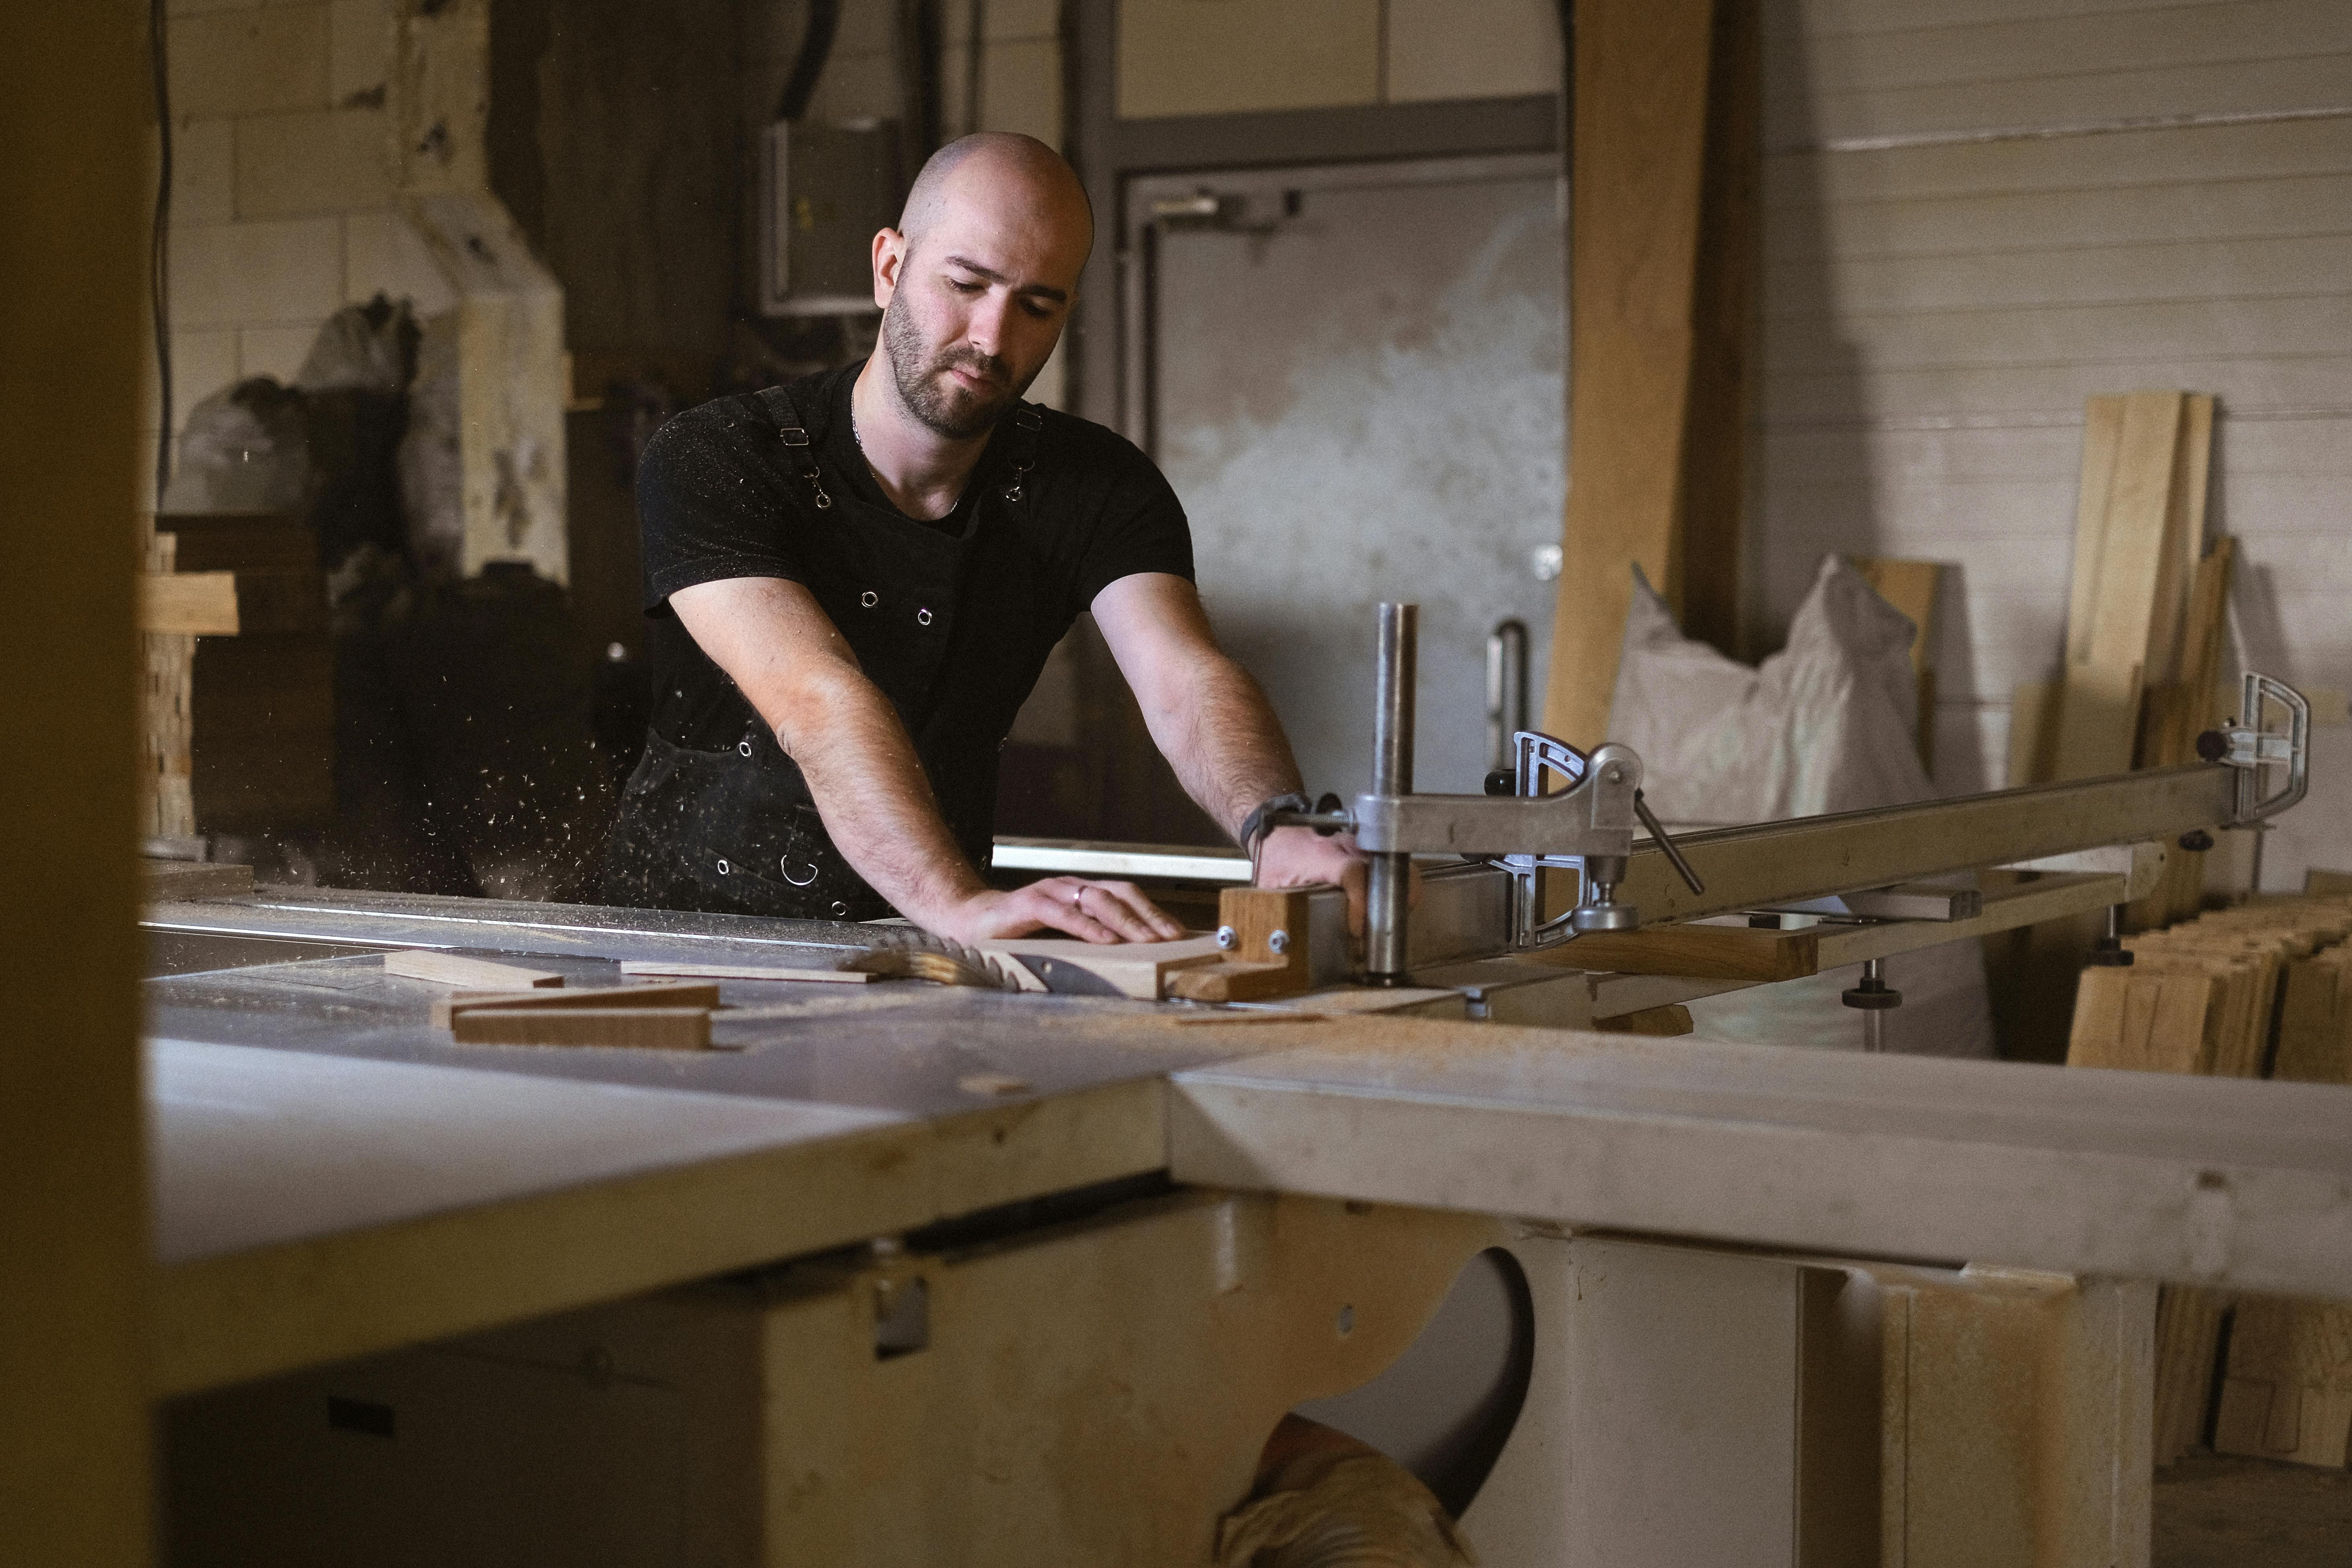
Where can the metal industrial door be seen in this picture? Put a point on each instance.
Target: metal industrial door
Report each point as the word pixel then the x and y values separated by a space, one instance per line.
pixel 1354 378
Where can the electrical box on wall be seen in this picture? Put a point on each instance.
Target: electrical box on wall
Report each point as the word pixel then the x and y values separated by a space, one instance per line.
pixel 824 192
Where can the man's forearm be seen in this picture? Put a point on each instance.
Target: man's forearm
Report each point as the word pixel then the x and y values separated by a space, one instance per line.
pixel 1220 733
pixel 877 807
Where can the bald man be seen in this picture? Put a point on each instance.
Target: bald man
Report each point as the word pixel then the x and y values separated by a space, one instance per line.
pixel 854 581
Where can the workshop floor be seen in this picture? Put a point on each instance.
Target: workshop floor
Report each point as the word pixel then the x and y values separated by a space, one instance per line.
pixel 2215 1510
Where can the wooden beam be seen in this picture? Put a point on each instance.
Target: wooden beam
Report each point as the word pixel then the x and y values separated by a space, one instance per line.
pixel 455 969
pixel 75 189
pixel 1637 188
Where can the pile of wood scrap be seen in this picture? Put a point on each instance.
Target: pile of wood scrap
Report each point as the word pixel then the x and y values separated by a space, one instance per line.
pixel 2287 1392
pixel 2213 996
pixel 237 716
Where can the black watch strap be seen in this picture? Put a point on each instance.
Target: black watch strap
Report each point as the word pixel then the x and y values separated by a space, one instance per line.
pixel 1254 827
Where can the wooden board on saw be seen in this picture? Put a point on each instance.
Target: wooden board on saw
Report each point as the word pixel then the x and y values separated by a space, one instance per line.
pixel 2287 1391
pixel 474 973
pixel 1139 969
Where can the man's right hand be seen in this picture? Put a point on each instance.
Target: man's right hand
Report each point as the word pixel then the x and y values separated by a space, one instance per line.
pixel 1093 912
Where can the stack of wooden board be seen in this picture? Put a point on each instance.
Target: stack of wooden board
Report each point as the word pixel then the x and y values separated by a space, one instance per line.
pixel 2287 1392
pixel 2204 997
pixel 238 716
pixel 494 1004
pixel 2144 638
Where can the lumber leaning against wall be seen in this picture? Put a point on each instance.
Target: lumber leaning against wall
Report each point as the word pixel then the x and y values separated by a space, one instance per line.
pixel 1662 191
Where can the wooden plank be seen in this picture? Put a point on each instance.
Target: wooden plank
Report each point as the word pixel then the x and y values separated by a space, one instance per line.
pixel 194 879
pixel 1636 190
pixel 1911 586
pixel 745 972
pixel 671 994
pixel 2103 429
pixel 2032 733
pixel 1700 951
pixel 1252 970
pixel 455 969
pixel 641 1029
pixel 1666 1022
pixel 1137 968
pixel 2099 719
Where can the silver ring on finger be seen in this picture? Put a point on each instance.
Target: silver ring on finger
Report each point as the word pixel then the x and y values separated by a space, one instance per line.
pixel 1078 898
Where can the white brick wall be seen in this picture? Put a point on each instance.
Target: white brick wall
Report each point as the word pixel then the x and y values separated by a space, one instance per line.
pixel 282 185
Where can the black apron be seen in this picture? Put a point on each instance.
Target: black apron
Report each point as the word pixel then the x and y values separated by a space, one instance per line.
pixel 953 630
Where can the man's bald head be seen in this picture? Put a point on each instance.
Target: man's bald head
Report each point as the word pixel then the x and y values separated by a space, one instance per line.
pixel 994 167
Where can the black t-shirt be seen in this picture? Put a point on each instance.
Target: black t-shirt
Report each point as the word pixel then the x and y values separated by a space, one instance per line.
pixel 717 498
pixel 951 619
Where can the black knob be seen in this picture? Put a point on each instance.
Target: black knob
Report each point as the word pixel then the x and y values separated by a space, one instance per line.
pixel 2212 745
pixel 2196 841
pixel 1502 781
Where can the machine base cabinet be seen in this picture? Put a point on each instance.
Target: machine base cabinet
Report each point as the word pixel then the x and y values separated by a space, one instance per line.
pixel 1097 1392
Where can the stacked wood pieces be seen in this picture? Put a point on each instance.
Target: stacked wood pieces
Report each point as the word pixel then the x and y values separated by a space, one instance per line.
pixel 1911 586
pixel 238 730
pixel 2204 997
pixel 2287 1391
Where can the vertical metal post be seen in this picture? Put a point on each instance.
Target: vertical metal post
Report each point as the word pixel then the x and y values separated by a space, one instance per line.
pixel 1506 689
pixel 1386 908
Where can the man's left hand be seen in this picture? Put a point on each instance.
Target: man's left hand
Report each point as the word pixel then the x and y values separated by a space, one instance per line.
pixel 1302 858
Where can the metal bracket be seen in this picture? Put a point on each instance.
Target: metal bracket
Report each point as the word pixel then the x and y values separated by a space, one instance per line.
pixel 2249 746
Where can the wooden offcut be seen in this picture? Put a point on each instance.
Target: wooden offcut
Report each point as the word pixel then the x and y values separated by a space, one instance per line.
pixel 681 993
pixel 642 1028
pixel 477 973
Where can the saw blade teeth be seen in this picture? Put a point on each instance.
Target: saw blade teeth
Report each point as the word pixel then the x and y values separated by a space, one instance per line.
pixel 925 955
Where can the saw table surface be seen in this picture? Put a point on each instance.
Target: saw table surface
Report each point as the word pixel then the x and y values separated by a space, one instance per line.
pixel 334 1177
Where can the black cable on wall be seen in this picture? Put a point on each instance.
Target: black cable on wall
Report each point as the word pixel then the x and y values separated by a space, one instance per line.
pixel 159 260
pixel 816 44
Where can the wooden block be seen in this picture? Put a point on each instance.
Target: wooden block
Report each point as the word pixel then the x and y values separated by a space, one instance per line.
pixel 1137 969
pixel 1251 970
pixel 2287 1392
pixel 1700 951
pixel 2315 880
pixel 645 1028
pixel 681 993
pixel 188 603
pixel 232 603
pixel 746 971
pixel 455 969
pixel 194 879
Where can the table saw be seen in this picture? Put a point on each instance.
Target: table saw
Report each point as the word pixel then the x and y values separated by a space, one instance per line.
pixel 903 1273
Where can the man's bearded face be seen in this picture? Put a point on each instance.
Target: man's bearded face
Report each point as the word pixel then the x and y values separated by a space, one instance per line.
pixel 924 359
